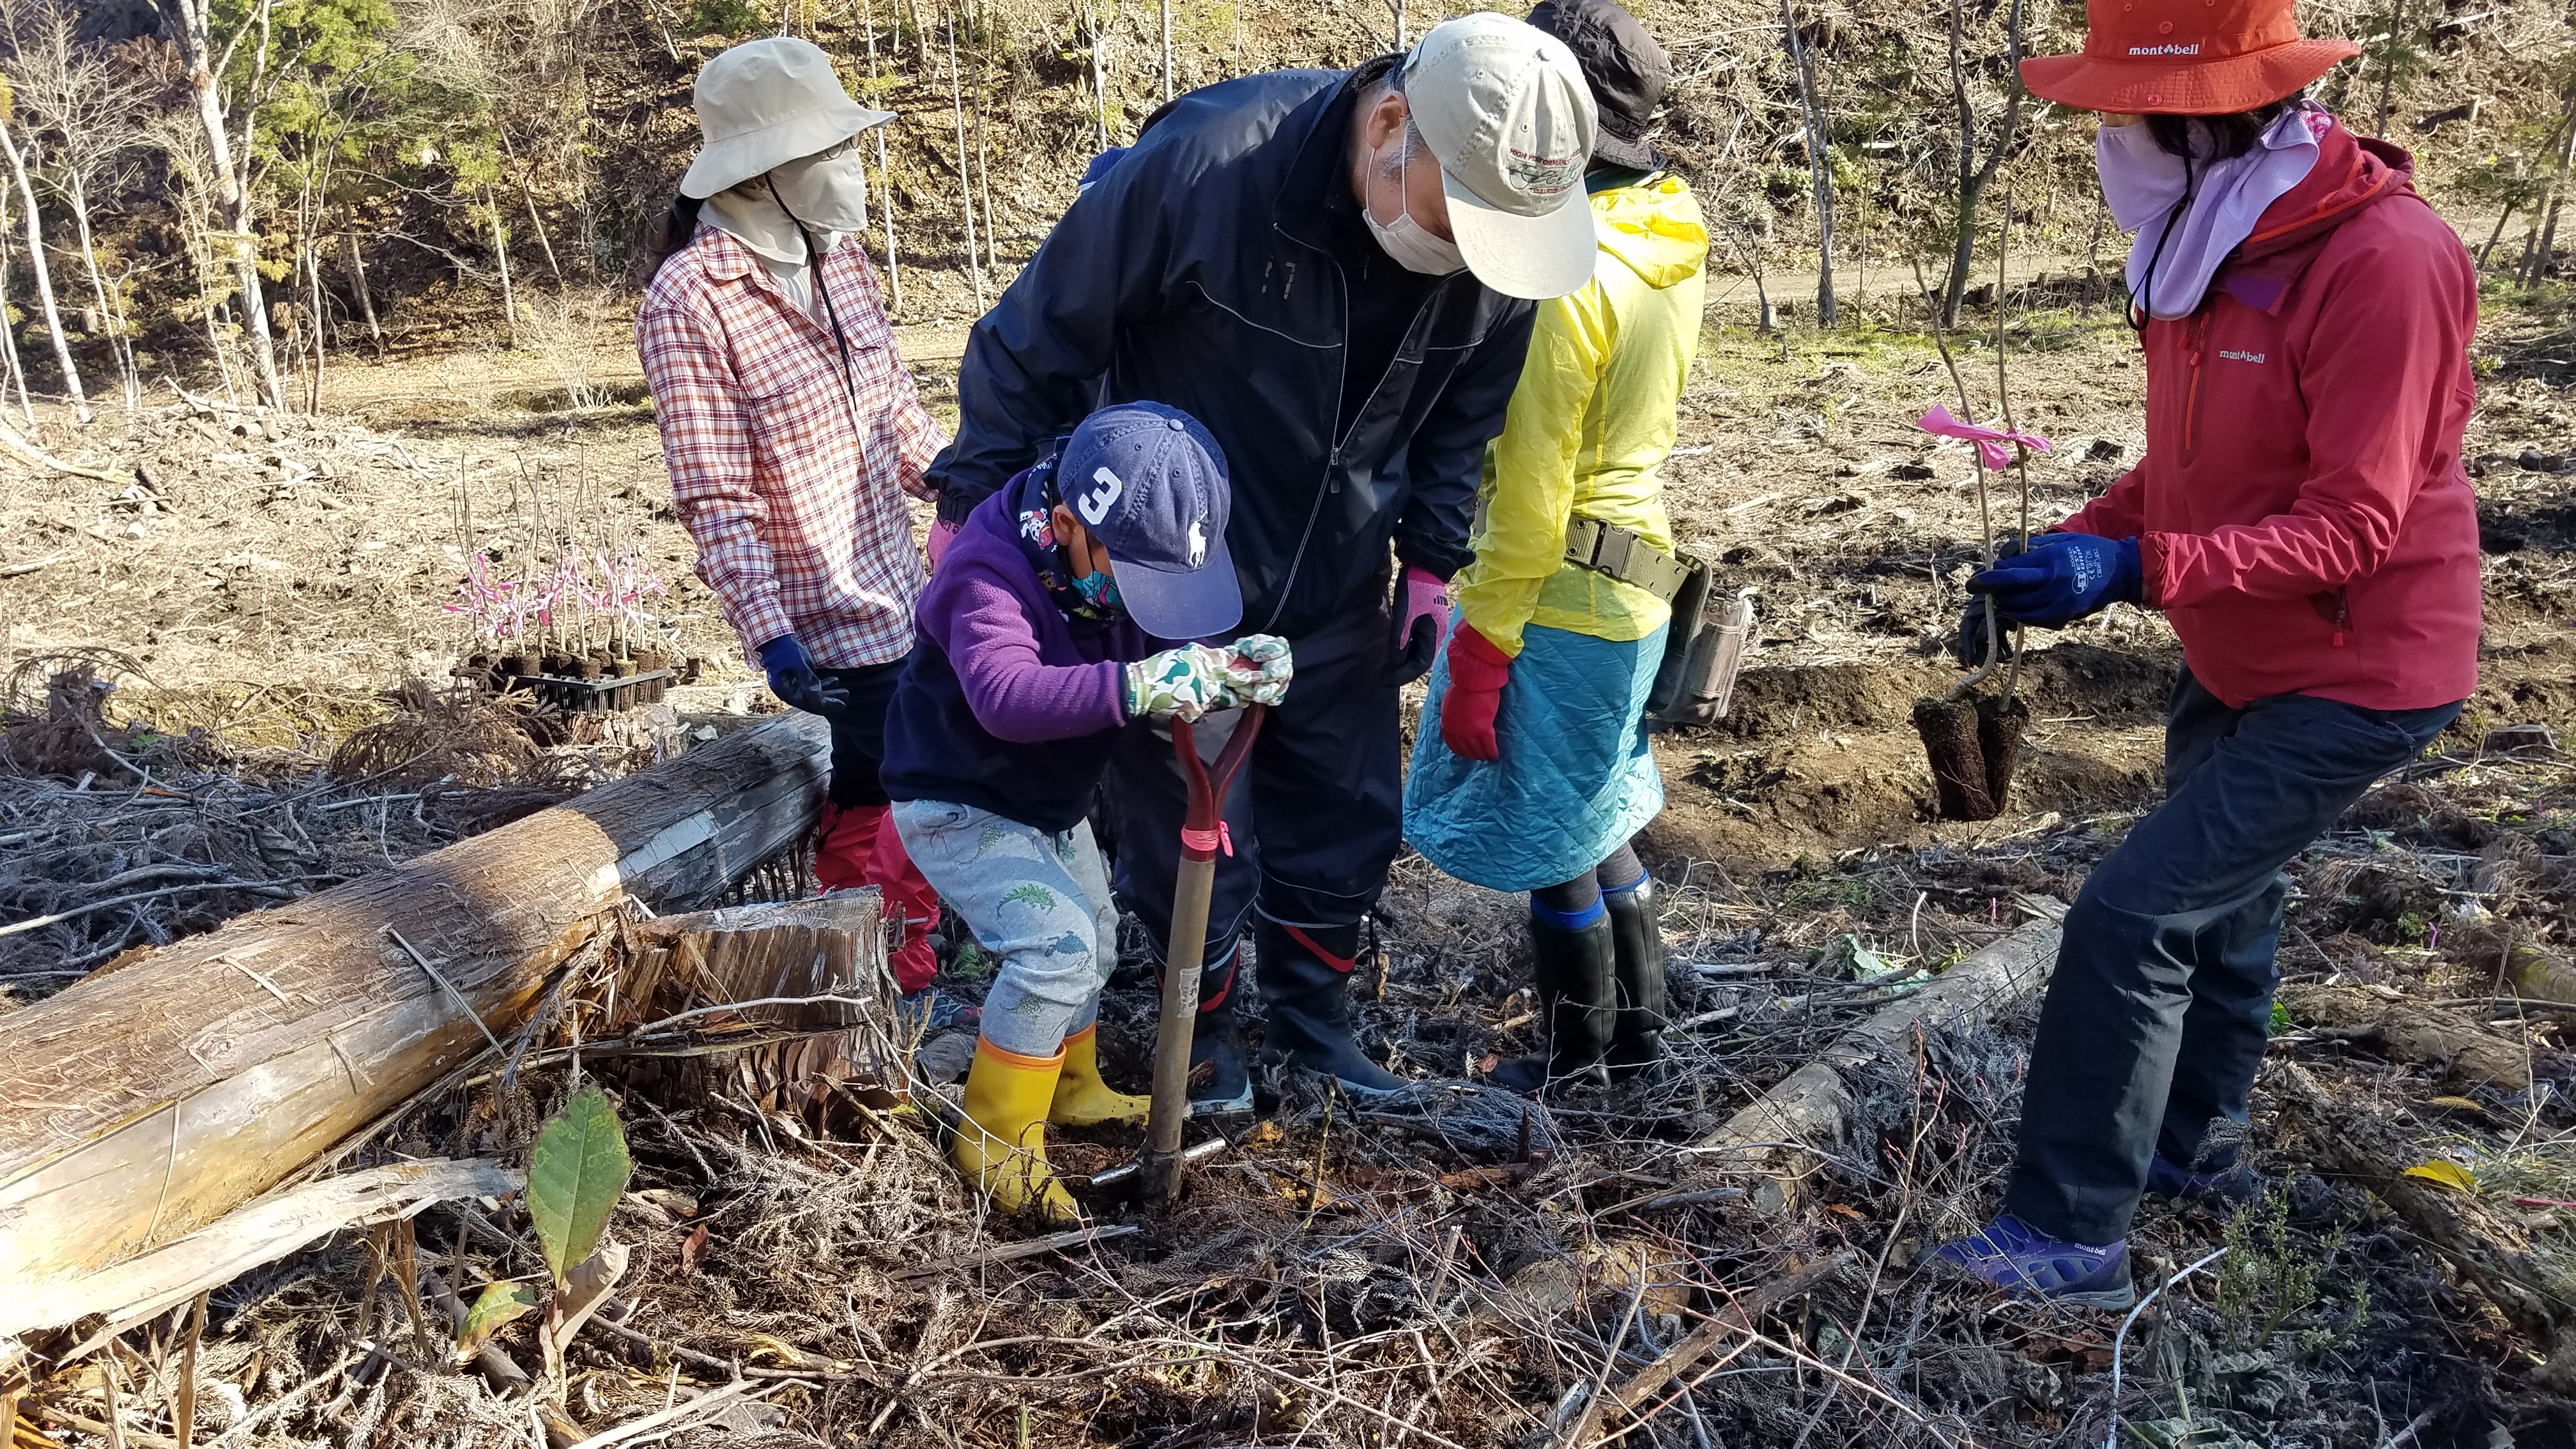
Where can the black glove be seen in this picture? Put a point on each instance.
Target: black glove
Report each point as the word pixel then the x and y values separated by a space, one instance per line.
pixel 793 680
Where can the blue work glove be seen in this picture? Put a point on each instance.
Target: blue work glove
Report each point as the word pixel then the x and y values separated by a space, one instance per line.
pixel 2063 577
pixel 793 680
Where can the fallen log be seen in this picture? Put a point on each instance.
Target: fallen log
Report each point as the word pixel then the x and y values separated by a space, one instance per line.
pixel 1812 1107
pixel 145 1102
pixel 2409 1030
pixel 2485 1244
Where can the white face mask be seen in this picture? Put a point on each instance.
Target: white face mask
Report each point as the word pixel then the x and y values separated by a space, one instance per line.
pixel 1413 246
pixel 827 191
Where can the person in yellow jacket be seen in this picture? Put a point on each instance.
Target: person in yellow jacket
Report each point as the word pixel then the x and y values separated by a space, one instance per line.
pixel 1531 771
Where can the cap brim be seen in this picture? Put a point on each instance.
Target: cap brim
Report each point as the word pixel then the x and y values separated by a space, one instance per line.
pixel 736 159
pixel 1198 603
pixel 1531 257
pixel 2182 86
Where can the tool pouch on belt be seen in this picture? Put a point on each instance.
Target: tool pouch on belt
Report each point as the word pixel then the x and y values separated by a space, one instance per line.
pixel 1703 649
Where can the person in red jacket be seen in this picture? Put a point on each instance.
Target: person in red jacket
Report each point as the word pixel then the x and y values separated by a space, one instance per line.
pixel 2302 518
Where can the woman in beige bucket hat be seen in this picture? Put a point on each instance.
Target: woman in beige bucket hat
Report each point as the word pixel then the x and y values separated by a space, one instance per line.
pixel 793 432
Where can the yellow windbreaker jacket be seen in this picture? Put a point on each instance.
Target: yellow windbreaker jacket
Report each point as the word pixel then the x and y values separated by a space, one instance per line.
pixel 1591 424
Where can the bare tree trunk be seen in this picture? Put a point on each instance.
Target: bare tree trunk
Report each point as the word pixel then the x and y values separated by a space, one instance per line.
pixel 1973 175
pixel 110 314
pixel 44 278
pixel 353 265
pixel 1167 49
pixel 965 193
pixel 2388 67
pixel 885 172
pixel 9 334
pixel 231 167
pixel 1099 74
pixel 501 251
pixel 984 156
pixel 1401 41
pixel 1820 166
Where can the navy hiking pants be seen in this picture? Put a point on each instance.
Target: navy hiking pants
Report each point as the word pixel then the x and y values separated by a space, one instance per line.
pixel 2161 1003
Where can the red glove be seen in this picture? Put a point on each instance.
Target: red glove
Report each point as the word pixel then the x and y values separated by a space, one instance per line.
pixel 1477 673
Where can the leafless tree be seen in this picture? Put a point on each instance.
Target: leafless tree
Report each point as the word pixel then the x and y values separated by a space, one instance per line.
pixel 43 275
pixel 1974 174
pixel 1820 163
pixel 89 118
pixel 191 23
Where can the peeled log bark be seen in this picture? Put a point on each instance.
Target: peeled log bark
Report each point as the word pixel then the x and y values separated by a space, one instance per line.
pixel 142 1103
pixel 2412 1031
pixel 1813 1105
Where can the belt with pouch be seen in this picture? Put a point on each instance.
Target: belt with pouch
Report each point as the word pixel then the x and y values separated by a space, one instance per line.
pixel 1624 554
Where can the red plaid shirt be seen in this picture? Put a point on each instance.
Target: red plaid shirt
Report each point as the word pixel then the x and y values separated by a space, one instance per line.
pixel 794 497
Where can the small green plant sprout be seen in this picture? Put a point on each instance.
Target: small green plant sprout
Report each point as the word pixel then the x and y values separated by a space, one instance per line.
pixel 2281 1023
pixel 2269 1280
pixel 575 1178
pixel 574 1181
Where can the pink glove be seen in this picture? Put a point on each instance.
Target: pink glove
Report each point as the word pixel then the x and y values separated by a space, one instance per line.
pixel 942 534
pixel 1421 621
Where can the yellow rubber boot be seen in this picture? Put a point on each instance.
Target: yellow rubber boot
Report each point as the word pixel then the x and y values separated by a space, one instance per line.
pixel 1002 1142
pixel 1081 1098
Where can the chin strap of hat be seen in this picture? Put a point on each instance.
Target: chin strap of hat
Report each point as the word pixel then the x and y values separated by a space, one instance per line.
pixel 2139 313
pixel 814 273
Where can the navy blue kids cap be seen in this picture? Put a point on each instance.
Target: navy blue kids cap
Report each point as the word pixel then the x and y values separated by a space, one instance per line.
pixel 1149 483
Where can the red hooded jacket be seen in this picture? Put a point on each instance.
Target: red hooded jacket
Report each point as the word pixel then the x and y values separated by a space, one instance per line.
pixel 2302 515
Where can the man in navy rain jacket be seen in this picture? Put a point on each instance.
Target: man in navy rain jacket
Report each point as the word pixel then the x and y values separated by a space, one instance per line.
pixel 1334 272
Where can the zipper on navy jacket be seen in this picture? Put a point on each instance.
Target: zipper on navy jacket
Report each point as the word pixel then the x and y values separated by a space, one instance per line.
pixel 1332 483
pixel 1332 461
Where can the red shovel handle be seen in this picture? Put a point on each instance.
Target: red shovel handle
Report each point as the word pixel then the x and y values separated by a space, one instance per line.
pixel 1202 829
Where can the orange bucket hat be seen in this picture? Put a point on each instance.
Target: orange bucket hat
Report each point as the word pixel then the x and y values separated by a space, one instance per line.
pixel 2184 58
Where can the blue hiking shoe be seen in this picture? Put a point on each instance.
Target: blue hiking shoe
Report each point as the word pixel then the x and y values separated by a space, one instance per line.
pixel 2225 1190
pixel 930 1011
pixel 2027 1263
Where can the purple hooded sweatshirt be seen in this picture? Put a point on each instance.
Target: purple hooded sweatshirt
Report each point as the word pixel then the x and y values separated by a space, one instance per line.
pixel 1008 703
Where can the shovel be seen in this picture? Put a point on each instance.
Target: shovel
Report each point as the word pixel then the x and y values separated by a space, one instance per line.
pixel 1202 834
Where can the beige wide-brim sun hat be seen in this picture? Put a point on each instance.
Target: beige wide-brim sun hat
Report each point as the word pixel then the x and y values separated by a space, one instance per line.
pixel 764 103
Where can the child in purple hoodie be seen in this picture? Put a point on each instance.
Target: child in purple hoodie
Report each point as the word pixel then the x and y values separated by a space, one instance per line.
pixel 1041 638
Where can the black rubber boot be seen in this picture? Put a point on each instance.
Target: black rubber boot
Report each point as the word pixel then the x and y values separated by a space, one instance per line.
pixel 1637 1042
pixel 1305 993
pixel 1220 1082
pixel 1577 996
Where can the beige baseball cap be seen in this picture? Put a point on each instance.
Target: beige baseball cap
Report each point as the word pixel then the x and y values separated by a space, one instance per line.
pixel 764 103
pixel 1505 110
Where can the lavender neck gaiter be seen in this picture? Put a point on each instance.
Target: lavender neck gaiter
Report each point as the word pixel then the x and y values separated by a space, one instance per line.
pixel 2188 219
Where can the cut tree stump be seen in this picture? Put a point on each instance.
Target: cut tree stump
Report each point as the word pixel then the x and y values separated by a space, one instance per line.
pixel 2487 1245
pixel 1812 1107
pixel 785 953
pixel 2409 1030
pixel 143 1103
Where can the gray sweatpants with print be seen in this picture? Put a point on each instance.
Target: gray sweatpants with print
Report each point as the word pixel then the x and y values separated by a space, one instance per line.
pixel 1038 902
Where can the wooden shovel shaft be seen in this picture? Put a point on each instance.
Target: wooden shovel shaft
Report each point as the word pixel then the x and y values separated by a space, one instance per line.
pixel 1202 835
pixel 1180 1014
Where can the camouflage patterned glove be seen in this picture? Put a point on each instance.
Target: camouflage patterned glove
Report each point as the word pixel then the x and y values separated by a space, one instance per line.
pixel 1182 683
pixel 1258 670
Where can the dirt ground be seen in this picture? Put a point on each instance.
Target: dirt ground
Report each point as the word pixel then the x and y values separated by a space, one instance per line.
pixel 1804 881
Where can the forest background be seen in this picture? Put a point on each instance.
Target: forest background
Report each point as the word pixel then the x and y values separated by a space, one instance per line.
pixel 237 193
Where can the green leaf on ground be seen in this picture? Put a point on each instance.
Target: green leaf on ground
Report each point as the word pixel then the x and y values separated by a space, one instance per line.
pixel 498 1304
pixel 574 1180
